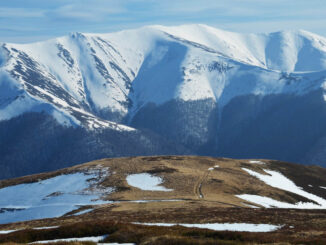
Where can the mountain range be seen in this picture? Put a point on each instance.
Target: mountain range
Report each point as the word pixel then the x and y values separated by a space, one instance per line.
pixel 156 90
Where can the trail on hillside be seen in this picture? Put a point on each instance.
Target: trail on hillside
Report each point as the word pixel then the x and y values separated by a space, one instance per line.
pixel 198 185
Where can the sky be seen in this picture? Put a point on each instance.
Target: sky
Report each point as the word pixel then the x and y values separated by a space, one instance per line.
pixel 24 21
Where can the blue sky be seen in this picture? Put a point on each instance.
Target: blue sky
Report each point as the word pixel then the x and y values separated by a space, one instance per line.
pixel 32 20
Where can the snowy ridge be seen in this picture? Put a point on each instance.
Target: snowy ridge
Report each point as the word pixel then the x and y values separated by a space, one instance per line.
pixel 283 51
pixel 99 80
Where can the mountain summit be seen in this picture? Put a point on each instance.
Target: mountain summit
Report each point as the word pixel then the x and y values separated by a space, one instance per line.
pixel 189 89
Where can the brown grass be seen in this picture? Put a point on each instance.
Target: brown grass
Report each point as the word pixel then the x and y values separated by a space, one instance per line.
pixel 184 174
pixel 188 177
pixel 131 233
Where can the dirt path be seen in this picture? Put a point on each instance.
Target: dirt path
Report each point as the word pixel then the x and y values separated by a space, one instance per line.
pixel 199 193
pixel 198 186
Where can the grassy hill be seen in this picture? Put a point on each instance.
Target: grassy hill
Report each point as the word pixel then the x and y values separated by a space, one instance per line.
pixel 180 190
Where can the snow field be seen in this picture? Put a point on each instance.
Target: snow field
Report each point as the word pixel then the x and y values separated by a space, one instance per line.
pixel 49 198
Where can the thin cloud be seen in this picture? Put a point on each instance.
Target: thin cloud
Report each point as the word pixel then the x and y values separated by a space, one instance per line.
pixel 58 17
pixel 84 12
pixel 20 13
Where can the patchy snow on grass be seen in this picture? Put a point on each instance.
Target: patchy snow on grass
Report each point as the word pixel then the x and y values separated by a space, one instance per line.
pixel 146 182
pixel 49 198
pixel 45 227
pixel 256 162
pixel 268 202
pixel 80 239
pixel 277 180
pixel 7 231
pixel 35 228
pixel 224 226
pixel 212 168
pixel 84 211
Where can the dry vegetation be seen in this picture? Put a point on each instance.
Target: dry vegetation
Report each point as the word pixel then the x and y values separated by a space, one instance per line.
pixel 189 177
pixel 130 233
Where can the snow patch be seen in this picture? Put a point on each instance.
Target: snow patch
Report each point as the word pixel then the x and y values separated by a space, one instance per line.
pixel 79 239
pixel 256 162
pixel 223 226
pixel 212 168
pixel 146 182
pixel 7 231
pixel 84 211
pixel 35 228
pixel 45 227
pixel 277 180
pixel 50 198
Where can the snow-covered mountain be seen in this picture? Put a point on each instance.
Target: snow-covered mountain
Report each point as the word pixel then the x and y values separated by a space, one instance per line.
pixel 211 91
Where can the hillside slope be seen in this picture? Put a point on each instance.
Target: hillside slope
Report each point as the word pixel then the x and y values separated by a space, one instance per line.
pixel 123 182
pixel 128 197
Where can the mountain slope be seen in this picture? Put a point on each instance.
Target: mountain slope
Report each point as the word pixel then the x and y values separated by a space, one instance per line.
pixel 206 90
pixel 95 72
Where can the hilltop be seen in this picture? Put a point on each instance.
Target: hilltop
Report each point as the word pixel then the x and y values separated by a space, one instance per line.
pixel 277 199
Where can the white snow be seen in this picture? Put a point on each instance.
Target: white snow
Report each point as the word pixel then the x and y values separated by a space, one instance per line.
pixel 277 180
pixel 146 182
pixel 322 187
pixel 286 51
pixel 84 211
pixel 256 162
pixel 224 226
pixel 35 228
pixel 212 168
pixel 189 62
pixel 54 98
pixel 45 227
pixel 49 198
pixel 268 202
pixel 79 239
pixel 7 231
